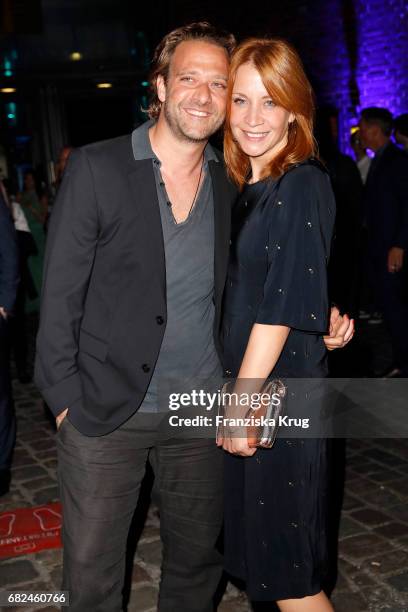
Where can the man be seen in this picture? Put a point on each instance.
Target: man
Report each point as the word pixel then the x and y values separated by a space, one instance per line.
pixel 134 276
pixel 8 292
pixel 386 210
pixel 362 160
pixel 401 130
pixel 60 166
pixel 26 289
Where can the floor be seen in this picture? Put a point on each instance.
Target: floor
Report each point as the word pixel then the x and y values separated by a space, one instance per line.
pixel 372 543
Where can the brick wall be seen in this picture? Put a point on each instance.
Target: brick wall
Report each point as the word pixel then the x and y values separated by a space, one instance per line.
pixel 356 53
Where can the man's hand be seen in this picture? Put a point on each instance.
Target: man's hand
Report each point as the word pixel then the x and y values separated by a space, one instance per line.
pixel 341 330
pixel 3 313
pixel 395 259
pixel 60 418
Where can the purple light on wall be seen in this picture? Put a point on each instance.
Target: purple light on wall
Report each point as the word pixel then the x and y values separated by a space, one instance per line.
pixel 363 58
pixel 328 62
pixel 382 59
pixel 382 72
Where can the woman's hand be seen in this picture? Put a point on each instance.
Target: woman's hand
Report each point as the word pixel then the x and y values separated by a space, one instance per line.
pixel 264 347
pixel 233 439
pixel 237 446
pixel 341 330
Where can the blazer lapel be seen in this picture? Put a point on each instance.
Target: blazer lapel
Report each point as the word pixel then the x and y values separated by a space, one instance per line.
pixel 144 193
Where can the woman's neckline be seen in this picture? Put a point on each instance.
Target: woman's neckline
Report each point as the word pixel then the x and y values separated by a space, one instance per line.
pixel 260 181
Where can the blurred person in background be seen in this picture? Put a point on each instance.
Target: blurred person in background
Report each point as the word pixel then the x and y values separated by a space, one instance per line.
pixel 363 161
pixel 386 212
pixel 401 130
pixel 347 188
pixel 26 289
pixel 366 302
pixel 61 163
pixel 8 292
pixel 60 166
pixel 35 207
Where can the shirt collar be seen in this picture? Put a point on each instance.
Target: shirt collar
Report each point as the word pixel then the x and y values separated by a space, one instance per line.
pixel 142 149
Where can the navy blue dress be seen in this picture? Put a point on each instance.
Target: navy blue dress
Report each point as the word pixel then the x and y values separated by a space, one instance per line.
pixel 275 501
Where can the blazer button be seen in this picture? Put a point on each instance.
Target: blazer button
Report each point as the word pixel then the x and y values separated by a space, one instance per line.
pixel 146 368
pixel 159 320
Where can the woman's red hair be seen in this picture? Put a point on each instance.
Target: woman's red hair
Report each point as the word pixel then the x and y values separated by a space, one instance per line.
pixel 285 80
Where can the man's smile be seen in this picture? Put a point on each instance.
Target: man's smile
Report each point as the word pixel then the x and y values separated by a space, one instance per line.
pixel 194 112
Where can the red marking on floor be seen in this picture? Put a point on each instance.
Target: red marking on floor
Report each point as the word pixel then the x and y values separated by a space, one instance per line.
pixel 29 530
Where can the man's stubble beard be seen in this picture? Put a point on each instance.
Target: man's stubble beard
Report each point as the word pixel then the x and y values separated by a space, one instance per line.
pixel 182 133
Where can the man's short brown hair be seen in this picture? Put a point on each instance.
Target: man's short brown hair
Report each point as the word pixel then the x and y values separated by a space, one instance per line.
pixel 375 115
pixel 201 31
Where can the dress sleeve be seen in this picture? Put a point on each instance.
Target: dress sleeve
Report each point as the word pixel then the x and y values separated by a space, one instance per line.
pixel 301 223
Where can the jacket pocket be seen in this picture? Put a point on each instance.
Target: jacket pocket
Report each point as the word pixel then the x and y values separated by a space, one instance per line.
pixel 93 346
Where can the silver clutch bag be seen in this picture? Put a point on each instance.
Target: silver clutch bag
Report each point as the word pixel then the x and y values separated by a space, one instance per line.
pixel 261 422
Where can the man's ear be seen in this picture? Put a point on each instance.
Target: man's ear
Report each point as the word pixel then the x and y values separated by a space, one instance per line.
pixel 161 88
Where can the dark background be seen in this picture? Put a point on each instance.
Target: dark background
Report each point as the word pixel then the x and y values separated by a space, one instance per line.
pixel 355 54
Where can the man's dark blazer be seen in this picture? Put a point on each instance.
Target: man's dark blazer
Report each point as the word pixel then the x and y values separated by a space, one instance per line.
pixel 103 311
pixel 386 203
pixel 9 275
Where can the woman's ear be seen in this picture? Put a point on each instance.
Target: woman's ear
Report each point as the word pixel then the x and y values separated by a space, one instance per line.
pixel 292 118
pixel 161 88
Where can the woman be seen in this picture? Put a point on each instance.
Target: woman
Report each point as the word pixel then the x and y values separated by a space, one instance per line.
pixel 276 312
